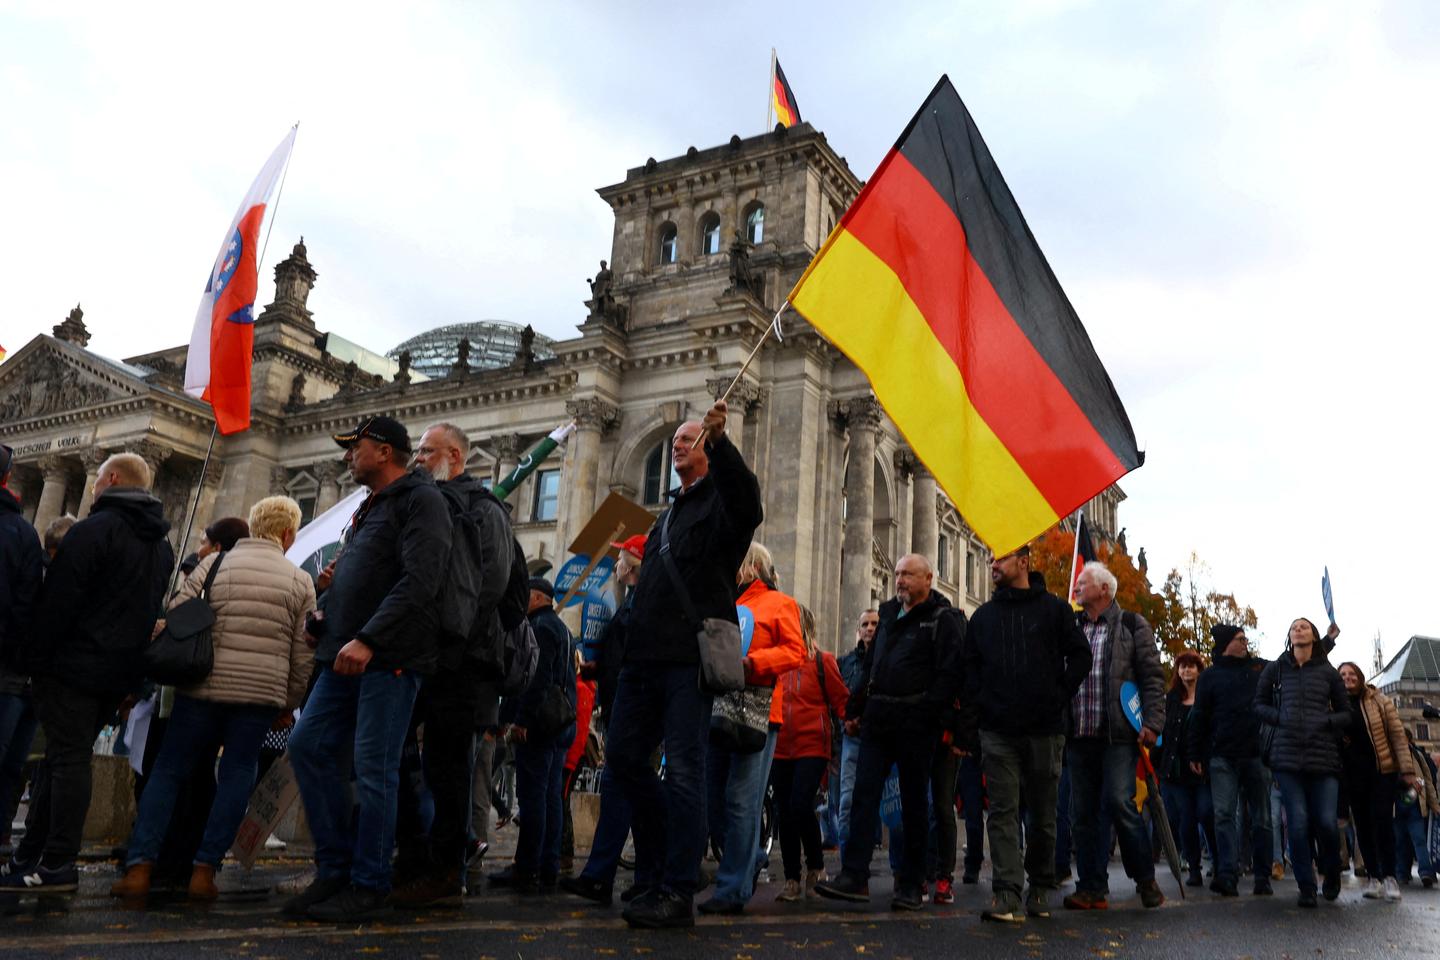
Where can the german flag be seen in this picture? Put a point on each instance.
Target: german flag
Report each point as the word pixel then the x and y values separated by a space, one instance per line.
pixel 934 286
pixel 787 111
pixel 1084 553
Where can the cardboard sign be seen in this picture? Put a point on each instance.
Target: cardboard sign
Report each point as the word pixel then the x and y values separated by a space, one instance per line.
pixel 1327 595
pixel 273 797
pixel 616 513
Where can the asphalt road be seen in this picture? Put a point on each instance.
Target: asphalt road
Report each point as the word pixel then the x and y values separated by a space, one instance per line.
pixel 495 926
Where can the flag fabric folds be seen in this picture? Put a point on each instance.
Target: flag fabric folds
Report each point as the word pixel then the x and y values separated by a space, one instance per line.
pixel 1084 553
pixel 217 367
pixel 782 99
pixel 934 286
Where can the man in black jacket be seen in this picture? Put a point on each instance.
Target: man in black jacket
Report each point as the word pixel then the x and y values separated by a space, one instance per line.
pixel 1024 659
pixel 541 724
pixel 101 598
pixel 21 568
pixel 451 701
pixel 904 701
pixel 376 639
pixel 711 519
pixel 1224 731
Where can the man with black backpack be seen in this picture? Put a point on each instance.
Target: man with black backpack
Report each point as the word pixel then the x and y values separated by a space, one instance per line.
pixel 462 692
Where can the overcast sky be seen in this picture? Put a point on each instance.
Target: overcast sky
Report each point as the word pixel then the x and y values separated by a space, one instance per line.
pixel 1239 198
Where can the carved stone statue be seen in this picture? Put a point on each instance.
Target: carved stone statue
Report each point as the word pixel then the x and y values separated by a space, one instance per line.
pixel 742 280
pixel 525 352
pixel 402 376
pixel 72 328
pixel 600 286
pixel 1143 564
pixel 348 386
pixel 297 393
pixel 602 303
pixel 462 359
pixel 1120 539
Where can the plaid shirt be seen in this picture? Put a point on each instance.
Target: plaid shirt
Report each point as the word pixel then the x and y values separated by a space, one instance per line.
pixel 1090 700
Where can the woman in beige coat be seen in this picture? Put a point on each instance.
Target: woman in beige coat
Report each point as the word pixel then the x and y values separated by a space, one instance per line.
pixel 262 664
pixel 1377 760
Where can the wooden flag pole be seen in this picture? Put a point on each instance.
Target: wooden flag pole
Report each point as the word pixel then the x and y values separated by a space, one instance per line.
pixel 615 534
pixel 725 397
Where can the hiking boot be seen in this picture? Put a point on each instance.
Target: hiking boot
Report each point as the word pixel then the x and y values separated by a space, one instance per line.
pixel 1307 899
pixel 1392 890
pixel 431 890
pixel 1224 887
pixel 944 890
pixel 350 905
pixel 202 883
pixel 319 890
pixel 1196 879
pixel 791 894
pixel 844 887
pixel 1080 900
pixel 1037 903
pixel 1262 887
pixel 813 877
pixel 1150 894
pixel 135 885
pixel 1331 887
pixel 1277 871
pixel 660 910
pixel 43 879
pixel 907 898
pixel 999 912
pixel 596 891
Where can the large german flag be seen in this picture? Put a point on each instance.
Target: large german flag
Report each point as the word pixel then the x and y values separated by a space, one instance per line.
pixel 935 287
pixel 787 111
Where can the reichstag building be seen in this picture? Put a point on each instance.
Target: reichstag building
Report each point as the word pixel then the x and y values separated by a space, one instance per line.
pixel 706 246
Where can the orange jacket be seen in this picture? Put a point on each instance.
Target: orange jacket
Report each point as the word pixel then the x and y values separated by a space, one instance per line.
pixel 777 646
pixel 809 701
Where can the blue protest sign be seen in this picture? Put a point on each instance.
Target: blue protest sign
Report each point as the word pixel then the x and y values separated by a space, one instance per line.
pixel 1130 703
pixel 747 627
pixel 595 616
pixel 567 575
pixel 1329 597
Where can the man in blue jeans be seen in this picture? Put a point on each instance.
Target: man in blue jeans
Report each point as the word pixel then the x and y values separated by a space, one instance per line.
pixel 375 638
pixel 852 669
pixel 659 698
pixel 1223 730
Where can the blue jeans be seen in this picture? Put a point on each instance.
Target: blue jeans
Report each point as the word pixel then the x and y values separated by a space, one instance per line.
pixel 1411 844
pixel 655 703
pixel 1310 808
pixel 1277 823
pixel 849 760
pixel 1233 782
pixel 1103 773
pixel 830 832
pixel 611 829
pixel 197 729
pixel 17 731
pixel 540 793
pixel 1191 814
pixel 359 724
pixel 744 797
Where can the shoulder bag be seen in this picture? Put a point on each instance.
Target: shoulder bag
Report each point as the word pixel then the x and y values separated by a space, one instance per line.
pixel 184 652
pixel 722 667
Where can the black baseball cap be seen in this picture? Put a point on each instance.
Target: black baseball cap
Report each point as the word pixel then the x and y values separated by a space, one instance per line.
pixel 543 585
pixel 379 429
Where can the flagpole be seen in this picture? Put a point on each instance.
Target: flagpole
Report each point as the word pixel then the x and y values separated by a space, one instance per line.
pixel 773 328
pixel 1075 557
pixel 770 96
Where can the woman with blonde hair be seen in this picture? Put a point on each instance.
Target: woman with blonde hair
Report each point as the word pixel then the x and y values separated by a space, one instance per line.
pixel 261 667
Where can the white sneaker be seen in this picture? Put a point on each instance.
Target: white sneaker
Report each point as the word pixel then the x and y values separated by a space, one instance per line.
pixel 1372 890
pixel 1392 890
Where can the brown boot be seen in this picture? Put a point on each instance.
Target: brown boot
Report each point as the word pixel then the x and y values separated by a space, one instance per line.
pixel 136 882
pixel 202 883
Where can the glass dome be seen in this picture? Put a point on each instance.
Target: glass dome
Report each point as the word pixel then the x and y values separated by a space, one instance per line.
pixel 493 344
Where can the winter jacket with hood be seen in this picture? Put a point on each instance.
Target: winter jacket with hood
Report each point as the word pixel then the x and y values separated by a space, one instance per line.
pixel 1133 656
pixel 389 575
pixel 497 552
pixel 1310 710
pixel 260 601
pixel 1025 656
pixel 711 525
pixel 554 668
pixel 852 667
pixel 1223 722
pixel 102 595
pixel 777 644
pixel 1387 734
pixel 911 674
pixel 22 565
pixel 813 691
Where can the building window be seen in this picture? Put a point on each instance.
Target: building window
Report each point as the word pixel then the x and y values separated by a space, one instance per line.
pixel 969 572
pixel 669 243
pixel 547 495
pixel 660 475
pixel 944 558
pixel 1422 731
pixel 710 233
pixel 755 224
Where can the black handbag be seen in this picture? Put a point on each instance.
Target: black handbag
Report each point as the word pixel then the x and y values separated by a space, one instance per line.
pixel 553 714
pixel 184 653
pixel 722 665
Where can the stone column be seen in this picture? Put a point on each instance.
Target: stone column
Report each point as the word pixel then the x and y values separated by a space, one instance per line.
pixel 52 495
pixel 594 417
pixel 93 460
pixel 905 463
pixel 925 527
pixel 154 455
pixel 205 510
pixel 327 473
pixel 744 404
pixel 507 447
pixel 862 419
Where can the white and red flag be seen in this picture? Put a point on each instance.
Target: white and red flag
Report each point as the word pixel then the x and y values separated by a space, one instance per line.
pixel 217 368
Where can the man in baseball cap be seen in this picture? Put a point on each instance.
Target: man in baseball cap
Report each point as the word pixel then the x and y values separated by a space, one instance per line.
pixel 635 546
pixel 380 430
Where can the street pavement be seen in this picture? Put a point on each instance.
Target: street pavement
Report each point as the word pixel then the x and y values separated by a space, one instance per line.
pixel 501 926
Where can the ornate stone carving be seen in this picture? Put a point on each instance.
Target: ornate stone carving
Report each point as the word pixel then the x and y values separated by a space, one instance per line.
pixel 214 473
pixel 602 303
pixel 525 353
pixel 296 400
pixel 93 458
pixel 402 375
pixel 154 454
pixel 72 328
pixel 905 462
pixel 348 385
pixel 747 397
pixel 328 471
pixel 593 412
pixel 50 385
pixel 54 468
pixel 507 446
pixel 462 359
pixel 742 279
pixel 279 478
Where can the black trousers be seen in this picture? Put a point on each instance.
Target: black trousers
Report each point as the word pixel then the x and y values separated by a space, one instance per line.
pixel 796 783
pixel 912 751
pixel 942 792
pixel 446 706
pixel 60 792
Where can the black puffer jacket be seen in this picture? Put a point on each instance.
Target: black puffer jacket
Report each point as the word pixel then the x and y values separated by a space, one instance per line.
pixel 102 595
pixel 1174 763
pixel 1309 709
pixel 710 529
pixel 389 575
pixel 1025 656
pixel 910 676
pixel 554 668
pixel 1223 723
pixel 22 564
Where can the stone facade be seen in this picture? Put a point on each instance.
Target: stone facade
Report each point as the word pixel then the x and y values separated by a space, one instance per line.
pixel 705 248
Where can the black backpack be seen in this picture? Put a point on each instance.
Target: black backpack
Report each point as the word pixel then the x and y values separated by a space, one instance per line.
pixel 460 597
pixel 514 653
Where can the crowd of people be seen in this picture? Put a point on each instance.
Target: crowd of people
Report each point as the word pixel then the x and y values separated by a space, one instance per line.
pixel 395 680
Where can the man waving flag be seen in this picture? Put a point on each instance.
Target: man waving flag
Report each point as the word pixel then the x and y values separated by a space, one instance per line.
pixel 935 287
pixel 217 368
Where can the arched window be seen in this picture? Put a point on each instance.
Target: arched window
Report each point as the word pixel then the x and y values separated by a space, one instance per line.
pixel 669 243
pixel 710 233
pixel 304 489
pixel 755 224
pixel 660 475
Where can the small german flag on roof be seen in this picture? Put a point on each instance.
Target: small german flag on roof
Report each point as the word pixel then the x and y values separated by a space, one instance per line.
pixel 782 99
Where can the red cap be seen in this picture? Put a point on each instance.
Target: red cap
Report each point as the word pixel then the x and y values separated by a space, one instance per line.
pixel 635 545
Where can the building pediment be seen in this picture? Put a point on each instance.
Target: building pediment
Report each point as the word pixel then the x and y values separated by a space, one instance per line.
pixel 49 377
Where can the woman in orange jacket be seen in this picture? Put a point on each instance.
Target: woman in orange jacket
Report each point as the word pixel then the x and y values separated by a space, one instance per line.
pixel 777 646
pixel 814 702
